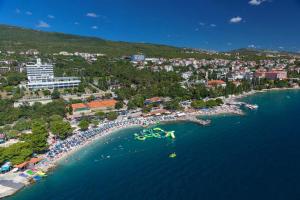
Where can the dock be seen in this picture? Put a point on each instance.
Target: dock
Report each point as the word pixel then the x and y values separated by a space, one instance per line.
pixel 194 119
pixel 247 105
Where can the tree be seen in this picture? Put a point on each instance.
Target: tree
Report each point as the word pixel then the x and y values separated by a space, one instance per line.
pixel 84 124
pixel 55 94
pixel 95 123
pixel 112 116
pixel 200 92
pixel 102 84
pixel 101 115
pixel 81 88
pixel 11 134
pixel 46 92
pixel 69 110
pixel 173 105
pixel 119 105
pixel 219 101
pixel 131 105
pixel 9 89
pixel 38 138
pixel 55 118
pixel 206 104
pixel 14 78
pixel 198 104
pixel 61 129
pixel 137 101
pixel 16 153
pixel 211 103
pixel 8 114
pixel 22 124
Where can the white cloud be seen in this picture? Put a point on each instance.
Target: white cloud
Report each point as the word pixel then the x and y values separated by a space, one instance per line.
pixel 213 25
pixel 18 11
pixel 235 20
pixel 28 13
pixel 196 29
pixel 251 46
pixel 43 24
pixel 94 27
pixel 76 23
pixel 201 23
pixel 51 16
pixel 94 15
pixel 256 2
pixel 229 43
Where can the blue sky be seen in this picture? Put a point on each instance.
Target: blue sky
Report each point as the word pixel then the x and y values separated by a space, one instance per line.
pixel 206 24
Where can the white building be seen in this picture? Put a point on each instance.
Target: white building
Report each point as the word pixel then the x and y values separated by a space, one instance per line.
pixel 39 72
pixel 40 76
pixel 186 75
pixel 169 68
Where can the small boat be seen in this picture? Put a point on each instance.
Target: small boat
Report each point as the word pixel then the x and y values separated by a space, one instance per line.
pixel 172 155
pixel 252 107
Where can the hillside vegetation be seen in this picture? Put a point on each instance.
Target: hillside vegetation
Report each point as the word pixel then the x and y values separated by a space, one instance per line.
pixel 21 39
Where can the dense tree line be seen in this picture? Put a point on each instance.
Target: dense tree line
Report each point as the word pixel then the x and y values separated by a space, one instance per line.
pixel 10 114
pixel 198 104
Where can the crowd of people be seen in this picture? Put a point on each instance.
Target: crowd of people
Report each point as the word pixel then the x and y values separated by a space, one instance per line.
pixel 81 137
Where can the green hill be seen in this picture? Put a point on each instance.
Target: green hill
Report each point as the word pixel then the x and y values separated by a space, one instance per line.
pixel 21 39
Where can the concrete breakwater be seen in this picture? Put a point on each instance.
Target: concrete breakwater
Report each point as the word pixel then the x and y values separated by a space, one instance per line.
pixel 193 118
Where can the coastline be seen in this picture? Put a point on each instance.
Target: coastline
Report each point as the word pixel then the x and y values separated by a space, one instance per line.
pixel 57 161
pixel 109 132
pixel 5 191
pixel 253 92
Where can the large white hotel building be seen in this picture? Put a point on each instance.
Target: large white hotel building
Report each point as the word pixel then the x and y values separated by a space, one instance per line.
pixel 40 76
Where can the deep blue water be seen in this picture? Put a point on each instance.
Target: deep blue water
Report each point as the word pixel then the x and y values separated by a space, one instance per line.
pixel 256 156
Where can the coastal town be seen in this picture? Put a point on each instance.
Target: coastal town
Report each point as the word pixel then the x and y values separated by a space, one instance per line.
pixel 158 100
pixel 80 104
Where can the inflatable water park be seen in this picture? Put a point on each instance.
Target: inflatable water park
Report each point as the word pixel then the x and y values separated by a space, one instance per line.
pixel 154 133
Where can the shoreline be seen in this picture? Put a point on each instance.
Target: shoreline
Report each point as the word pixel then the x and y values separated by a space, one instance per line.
pixel 91 141
pixel 253 92
pixel 136 123
pixel 57 161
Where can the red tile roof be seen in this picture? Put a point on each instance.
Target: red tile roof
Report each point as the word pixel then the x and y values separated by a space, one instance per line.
pixel 102 104
pixel 215 82
pixel 35 160
pixel 22 165
pixel 154 99
pixel 78 106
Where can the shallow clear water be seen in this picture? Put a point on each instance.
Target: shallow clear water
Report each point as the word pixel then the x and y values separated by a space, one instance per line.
pixel 256 156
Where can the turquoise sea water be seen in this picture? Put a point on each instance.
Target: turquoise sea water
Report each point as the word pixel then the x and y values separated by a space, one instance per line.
pixel 256 156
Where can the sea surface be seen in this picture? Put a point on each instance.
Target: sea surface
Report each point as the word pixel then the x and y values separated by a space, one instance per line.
pixel 256 156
